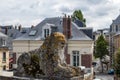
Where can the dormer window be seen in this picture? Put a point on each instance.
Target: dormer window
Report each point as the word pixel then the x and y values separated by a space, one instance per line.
pixel 46 32
pixel 47 29
pixel 3 42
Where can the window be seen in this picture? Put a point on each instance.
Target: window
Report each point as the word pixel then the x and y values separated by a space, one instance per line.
pixel 32 33
pixel 4 57
pixel 46 32
pixel 75 58
pixel 3 42
pixel 116 28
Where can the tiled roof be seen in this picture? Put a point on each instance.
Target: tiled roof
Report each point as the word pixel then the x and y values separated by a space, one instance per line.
pixel 15 33
pixel 79 23
pixel 57 21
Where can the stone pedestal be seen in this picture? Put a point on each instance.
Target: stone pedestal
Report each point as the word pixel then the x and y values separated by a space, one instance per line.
pixel 41 78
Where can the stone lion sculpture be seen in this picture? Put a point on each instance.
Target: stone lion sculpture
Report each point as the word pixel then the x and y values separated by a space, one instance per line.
pixel 52 59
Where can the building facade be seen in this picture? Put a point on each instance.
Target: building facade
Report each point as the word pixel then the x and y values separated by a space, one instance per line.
pixel 4 52
pixel 114 29
pixel 117 42
pixel 4 59
pixel 79 51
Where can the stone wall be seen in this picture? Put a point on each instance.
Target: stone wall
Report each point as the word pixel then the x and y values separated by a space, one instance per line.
pixel 42 78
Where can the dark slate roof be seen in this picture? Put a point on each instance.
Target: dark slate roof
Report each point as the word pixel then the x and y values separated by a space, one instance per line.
pixel 116 21
pixel 88 32
pixel 57 21
pixel 14 33
pixel 79 23
pixel 78 34
pixel 7 26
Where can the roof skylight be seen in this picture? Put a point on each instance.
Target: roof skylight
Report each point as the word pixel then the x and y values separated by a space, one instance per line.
pixel 32 33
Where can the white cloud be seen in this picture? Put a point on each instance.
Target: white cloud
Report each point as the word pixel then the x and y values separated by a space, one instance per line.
pixel 98 13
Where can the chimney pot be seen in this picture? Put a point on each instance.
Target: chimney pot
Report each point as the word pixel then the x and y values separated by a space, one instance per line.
pixel 68 16
pixel 19 27
pixel 6 30
pixel 32 26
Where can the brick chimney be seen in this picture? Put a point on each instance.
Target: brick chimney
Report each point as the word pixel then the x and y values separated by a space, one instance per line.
pixel 6 30
pixel 19 27
pixel 32 26
pixel 67 32
pixel 67 27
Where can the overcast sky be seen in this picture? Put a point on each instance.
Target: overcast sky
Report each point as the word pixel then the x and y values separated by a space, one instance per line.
pixel 98 13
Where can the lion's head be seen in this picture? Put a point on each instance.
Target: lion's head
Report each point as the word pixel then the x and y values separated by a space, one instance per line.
pixel 55 40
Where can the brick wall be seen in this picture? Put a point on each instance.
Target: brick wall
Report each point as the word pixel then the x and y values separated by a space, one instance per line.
pixel 86 60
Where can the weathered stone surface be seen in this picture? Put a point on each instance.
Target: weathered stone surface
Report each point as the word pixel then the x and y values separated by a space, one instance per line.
pixel 40 78
pixel 51 59
pixel 24 58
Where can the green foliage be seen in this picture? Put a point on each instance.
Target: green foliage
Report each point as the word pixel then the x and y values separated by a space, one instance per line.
pixel 117 62
pixel 77 14
pixel 34 67
pixel 101 47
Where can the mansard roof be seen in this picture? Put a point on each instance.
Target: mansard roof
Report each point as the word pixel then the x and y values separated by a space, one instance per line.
pixel 116 21
pixel 57 21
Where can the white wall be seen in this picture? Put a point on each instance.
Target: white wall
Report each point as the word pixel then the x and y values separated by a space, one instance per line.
pixel 84 47
pixel 25 45
pixel 20 46
pixel 7 59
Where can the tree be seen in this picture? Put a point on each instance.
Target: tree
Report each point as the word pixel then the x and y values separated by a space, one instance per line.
pixel 77 14
pixel 117 63
pixel 101 49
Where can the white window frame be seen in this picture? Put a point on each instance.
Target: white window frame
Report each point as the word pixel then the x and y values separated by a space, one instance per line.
pixel 3 42
pixel 46 27
pixel 4 57
pixel 75 58
pixel 32 33
pixel 46 32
